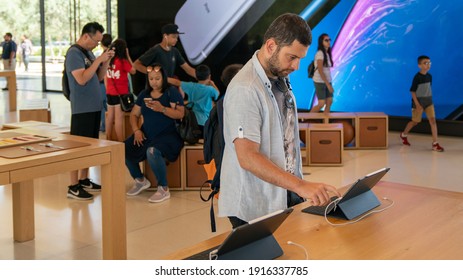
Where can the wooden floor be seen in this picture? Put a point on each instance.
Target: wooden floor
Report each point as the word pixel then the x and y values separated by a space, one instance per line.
pixel 69 229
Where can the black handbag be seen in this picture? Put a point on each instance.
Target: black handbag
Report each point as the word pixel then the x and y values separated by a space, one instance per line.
pixel 188 127
pixel 127 101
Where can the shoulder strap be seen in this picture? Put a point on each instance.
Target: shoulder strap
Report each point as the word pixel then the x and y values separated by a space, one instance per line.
pixel 84 51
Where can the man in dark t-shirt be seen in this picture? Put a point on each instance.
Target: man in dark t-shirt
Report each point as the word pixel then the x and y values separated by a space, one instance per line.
pixel 9 48
pixel 166 54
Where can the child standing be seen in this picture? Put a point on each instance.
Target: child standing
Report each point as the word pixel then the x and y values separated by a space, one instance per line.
pixel 422 101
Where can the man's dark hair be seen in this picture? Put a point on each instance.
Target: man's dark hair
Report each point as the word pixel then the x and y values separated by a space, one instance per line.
pixel 287 28
pixel 421 58
pixel 202 72
pixel 92 28
pixel 9 34
pixel 107 40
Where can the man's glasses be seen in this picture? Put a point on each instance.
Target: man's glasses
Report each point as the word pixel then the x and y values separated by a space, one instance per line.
pixel 285 86
pixel 427 63
pixel 153 68
pixel 91 38
pixel 327 40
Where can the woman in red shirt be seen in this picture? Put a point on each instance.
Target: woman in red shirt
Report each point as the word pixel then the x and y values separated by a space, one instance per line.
pixel 117 83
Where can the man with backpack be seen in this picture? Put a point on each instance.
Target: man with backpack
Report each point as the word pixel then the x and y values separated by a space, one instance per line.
pixel 84 73
pixel 261 167
pixel 214 143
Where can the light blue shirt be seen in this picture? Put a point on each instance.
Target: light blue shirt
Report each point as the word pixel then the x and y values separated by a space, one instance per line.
pixel 251 111
pixel 202 97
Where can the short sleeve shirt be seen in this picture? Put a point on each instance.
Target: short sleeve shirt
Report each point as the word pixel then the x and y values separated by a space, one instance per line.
pixel 159 129
pixel 170 60
pixel 117 81
pixel 84 98
pixel 326 69
pixel 201 96
pixel 421 85
pixel 251 111
pixel 9 47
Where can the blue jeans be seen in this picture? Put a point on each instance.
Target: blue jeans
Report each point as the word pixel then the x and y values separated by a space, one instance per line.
pixel 156 162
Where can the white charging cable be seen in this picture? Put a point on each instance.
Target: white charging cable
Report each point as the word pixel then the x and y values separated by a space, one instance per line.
pixel 361 217
pixel 300 246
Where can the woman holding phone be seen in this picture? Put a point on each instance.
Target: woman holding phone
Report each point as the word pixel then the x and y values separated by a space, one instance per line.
pixel 157 139
pixel 117 83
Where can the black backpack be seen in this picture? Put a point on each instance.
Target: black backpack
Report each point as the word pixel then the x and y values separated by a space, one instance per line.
pixel 188 127
pixel 64 79
pixel 214 145
pixel 311 69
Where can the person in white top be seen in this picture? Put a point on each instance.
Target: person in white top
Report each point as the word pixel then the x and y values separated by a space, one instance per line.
pixel 322 79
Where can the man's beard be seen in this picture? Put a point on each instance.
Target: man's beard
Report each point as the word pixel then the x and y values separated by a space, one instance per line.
pixel 274 66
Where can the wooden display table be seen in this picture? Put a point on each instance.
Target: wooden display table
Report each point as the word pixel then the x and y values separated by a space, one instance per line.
pixel 11 77
pixel 36 125
pixel 389 235
pixel 21 172
pixel 35 110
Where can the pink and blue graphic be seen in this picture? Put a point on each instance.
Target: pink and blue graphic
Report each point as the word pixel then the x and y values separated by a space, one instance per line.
pixel 376 50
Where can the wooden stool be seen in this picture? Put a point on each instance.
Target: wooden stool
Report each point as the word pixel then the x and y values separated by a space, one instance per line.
pixel 324 144
pixel 372 130
pixel 174 176
pixel 126 127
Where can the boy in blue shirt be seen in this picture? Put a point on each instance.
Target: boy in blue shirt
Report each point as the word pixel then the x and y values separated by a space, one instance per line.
pixel 201 94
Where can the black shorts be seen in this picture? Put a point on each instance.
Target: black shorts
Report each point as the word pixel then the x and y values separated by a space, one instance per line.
pixel 86 124
pixel 322 91
pixel 113 100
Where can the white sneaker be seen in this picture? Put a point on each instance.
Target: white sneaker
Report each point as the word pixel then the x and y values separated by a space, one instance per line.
pixel 138 187
pixel 160 195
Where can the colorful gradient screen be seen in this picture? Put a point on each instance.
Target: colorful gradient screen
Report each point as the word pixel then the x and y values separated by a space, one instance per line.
pixel 377 43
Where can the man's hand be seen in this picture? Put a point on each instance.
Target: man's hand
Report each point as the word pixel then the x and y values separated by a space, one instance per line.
pixel 106 56
pixel 317 193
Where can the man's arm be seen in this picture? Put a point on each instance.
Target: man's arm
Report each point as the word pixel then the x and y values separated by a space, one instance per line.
pixel 252 160
pixel 13 51
pixel 139 66
pixel 83 75
pixel 189 70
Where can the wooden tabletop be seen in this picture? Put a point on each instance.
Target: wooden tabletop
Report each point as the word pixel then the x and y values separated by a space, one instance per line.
pixel 423 224
pixel 21 172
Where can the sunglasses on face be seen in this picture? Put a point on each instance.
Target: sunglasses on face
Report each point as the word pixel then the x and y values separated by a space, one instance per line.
pixel 153 68
pixel 327 40
pixel 427 63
